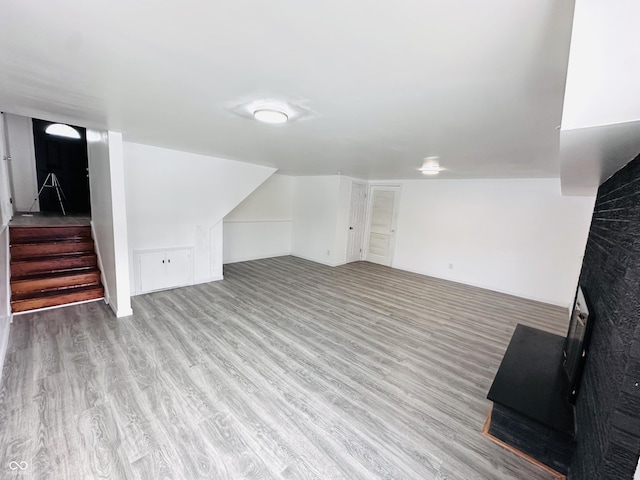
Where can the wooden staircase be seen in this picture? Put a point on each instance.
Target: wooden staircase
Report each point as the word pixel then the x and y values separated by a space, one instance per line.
pixel 52 266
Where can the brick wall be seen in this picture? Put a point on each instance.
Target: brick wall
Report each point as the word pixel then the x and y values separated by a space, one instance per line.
pixel 608 405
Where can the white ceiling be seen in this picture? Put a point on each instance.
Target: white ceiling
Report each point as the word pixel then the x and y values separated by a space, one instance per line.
pixel 377 85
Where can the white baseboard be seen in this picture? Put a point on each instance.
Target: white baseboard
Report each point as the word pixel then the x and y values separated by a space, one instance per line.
pixel 5 323
pixel 328 264
pixel 258 257
pixel 197 282
pixel 208 280
pixel 121 312
pixel 484 287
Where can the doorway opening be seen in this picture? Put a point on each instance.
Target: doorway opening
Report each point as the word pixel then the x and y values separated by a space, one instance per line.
pixel 62 169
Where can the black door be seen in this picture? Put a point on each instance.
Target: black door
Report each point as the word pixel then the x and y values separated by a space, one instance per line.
pixel 67 159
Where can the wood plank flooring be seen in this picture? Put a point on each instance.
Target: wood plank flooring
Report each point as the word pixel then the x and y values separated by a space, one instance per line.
pixel 285 370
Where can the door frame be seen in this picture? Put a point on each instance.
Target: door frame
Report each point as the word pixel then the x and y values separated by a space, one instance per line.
pixel 367 233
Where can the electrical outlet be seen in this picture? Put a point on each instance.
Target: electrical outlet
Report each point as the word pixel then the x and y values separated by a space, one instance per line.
pixel 328 252
pixel 451 266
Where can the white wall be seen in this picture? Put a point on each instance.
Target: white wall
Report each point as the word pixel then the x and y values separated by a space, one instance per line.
pixel 6 209
pixel 108 215
pixel 23 161
pixel 261 225
pixel 177 199
pixel 5 275
pixel 5 296
pixel 518 236
pixel 315 217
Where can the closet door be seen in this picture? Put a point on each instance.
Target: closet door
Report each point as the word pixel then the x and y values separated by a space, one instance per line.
pixel 357 219
pixel 178 267
pixel 152 271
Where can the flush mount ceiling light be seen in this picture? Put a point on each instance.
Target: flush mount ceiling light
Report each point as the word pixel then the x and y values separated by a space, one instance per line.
pixel 62 130
pixel 431 166
pixel 270 115
pixel 272 110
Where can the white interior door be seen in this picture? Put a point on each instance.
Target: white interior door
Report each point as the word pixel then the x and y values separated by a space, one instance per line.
pixel 382 224
pixel 357 222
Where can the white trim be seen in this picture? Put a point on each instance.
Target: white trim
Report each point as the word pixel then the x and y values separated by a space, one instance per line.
pixel 315 260
pixel 258 257
pixel 4 341
pixel 103 279
pixel 206 280
pixel 258 221
pixel 122 312
pixel 122 307
pixel 199 282
pixel 484 287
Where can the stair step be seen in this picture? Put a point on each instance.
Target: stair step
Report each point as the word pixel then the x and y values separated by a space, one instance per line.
pixel 29 250
pixel 57 281
pixel 51 266
pixel 52 299
pixel 21 268
pixel 43 234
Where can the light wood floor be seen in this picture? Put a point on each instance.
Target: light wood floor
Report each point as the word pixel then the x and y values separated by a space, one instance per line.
pixel 286 369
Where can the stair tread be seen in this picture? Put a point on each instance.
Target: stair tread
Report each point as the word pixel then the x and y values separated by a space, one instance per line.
pixel 65 239
pixel 56 292
pixel 56 274
pixel 22 234
pixel 50 238
pixel 42 301
pixel 25 228
pixel 50 229
pixel 77 289
pixel 57 256
pixel 34 257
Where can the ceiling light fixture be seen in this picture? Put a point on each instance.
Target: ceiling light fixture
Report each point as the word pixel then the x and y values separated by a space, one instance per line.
pixel 62 130
pixel 430 166
pixel 270 115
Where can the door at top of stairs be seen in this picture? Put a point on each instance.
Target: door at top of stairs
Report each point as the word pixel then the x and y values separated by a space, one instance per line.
pixel 67 159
